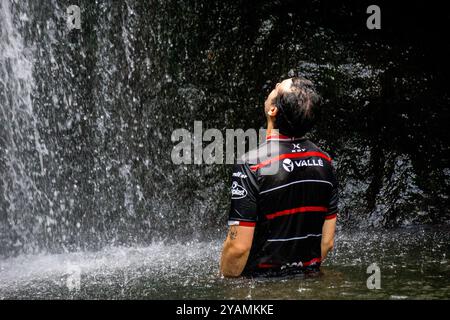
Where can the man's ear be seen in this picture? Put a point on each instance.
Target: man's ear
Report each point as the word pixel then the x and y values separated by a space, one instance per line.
pixel 273 111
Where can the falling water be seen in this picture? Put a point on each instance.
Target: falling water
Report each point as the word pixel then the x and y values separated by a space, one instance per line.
pixel 22 148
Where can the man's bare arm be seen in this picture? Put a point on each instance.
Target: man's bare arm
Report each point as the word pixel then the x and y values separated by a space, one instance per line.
pixel 328 231
pixel 236 250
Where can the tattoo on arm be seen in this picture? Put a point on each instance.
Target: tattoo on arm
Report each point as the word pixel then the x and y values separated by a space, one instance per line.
pixel 233 233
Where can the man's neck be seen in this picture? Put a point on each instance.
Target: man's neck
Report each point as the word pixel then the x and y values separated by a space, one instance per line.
pixel 270 129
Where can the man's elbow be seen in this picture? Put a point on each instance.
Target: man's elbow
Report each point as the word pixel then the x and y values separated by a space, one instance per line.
pixel 237 251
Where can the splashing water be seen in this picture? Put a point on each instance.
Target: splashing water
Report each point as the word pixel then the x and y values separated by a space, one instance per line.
pixel 414 263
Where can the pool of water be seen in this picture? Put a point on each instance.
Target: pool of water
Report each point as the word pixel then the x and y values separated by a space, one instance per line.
pixel 414 264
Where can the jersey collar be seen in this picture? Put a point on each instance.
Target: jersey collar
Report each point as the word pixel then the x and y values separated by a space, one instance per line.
pixel 281 137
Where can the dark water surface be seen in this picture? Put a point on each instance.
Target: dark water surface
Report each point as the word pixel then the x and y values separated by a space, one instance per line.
pixel 414 264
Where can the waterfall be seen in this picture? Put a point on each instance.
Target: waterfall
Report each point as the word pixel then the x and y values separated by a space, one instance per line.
pixel 22 149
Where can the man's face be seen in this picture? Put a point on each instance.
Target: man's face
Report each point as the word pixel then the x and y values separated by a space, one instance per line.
pixel 283 86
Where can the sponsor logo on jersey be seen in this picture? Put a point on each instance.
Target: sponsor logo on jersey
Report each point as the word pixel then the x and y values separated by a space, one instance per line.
pixel 291 265
pixel 297 148
pixel 300 264
pixel 239 175
pixel 289 165
pixel 237 191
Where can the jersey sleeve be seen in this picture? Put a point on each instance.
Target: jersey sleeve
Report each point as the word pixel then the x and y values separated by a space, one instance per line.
pixel 334 197
pixel 244 195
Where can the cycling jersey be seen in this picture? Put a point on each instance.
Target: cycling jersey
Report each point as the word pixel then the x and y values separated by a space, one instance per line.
pixel 287 208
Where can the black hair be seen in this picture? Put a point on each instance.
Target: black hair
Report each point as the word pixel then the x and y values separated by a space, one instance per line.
pixel 297 108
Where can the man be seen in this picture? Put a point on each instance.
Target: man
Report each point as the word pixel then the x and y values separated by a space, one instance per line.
pixel 283 223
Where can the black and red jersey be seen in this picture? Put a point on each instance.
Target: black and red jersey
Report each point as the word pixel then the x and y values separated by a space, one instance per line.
pixel 287 207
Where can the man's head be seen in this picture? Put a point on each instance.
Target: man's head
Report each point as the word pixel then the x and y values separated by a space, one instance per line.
pixel 290 107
